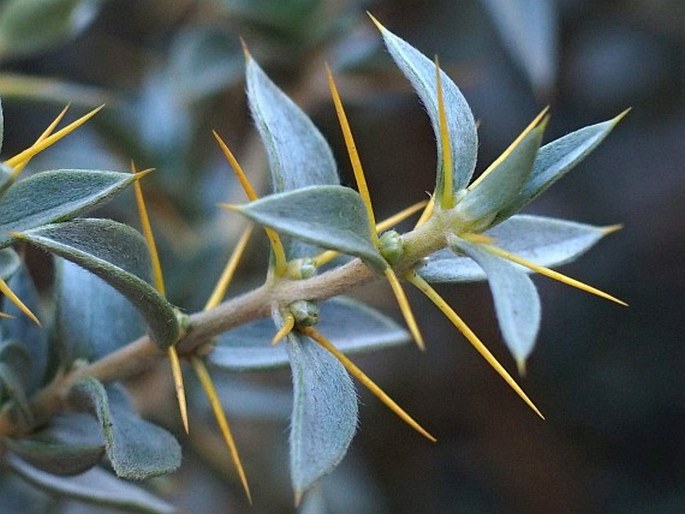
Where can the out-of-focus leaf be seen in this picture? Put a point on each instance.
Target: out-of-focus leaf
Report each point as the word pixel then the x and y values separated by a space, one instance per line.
pixel 95 486
pixel 204 60
pixel 55 90
pixel 9 263
pixel 2 125
pixel 92 319
pixel 545 241
pixel 56 458
pixel 325 410
pixel 28 26
pixel 528 29
pixel 15 366
pixel 462 127
pixel 24 331
pixel 350 325
pixel 16 495
pixel 332 217
pixel 517 303
pixel 502 184
pixel 56 196
pixel 557 158
pixel 117 254
pixel 137 449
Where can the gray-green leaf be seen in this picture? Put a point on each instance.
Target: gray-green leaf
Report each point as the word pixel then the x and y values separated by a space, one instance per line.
pixel 92 318
pixel 15 367
pixel 517 303
pixel 137 449
pixel 9 263
pixel 501 186
pixel 350 325
pixel 557 158
pixel 56 196
pixel 57 458
pixel 95 486
pixel 462 127
pixel 545 241
pixel 325 410
pixel 328 216
pixel 117 254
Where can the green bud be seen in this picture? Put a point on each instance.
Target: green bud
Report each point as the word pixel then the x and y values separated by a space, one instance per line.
pixel 299 269
pixel 391 246
pixel 306 313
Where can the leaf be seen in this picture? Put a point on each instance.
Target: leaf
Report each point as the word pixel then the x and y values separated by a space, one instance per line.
pixel 499 186
pixel 137 449
pixel 92 318
pixel 31 337
pixel 28 26
pixel 461 126
pixel 56 458
pixel 16 495
pixel 557 158
pixel 2 125
pixel 117 254
pixel 350 325
pixel 9 263
pixel 324 417
pixel 545 241
pixel 517 303
pixel 50 89
pixel 332 217
pixel 528 29
pixel 15 366
pixel 96 486
pixel 56 196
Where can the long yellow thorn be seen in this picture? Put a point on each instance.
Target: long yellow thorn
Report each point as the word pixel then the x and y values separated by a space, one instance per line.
pixel 5 289
pixel 510 149
pixel 366 381
pixel 354 155
pixel 555 275
pixel 288 325
pixel 227 275
pixel 178 386
pixel 405 307
pixel 472 338
pixel 280 260
pixel 221 420
pixel 447 193
pixel 50 140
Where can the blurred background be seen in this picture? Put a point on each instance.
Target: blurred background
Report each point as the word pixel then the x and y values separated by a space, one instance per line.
pixel 609 379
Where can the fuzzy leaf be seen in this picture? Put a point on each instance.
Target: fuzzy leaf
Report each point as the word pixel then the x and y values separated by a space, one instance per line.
pixel 517 303
pixel 500 187
pixel 24 331
pixel 137 449
pixel 56 196
pixel 82 330
pixel 461 126
pixel 117 254
pixel 325 410
pixel 28 26
pixel 350 325
pixel 9 263
pixel 545 241
pixel 557 158
pixel 332 217
pixel 56 458
pixel 96 486
pixel 528 30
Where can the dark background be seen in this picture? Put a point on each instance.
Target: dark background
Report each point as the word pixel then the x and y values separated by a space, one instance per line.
pixel 609 379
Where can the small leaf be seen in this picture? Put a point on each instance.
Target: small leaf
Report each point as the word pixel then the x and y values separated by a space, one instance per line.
pixel 324 417
pixel 96 486
pixel 56 458
pixel 517 303
pixel 460 123
pixel 528 29
pixel 332 217
pixel 92 318
pixel 56 196
pixel 545 241
pixel 117 254
pixel 50 89
pixel 137 449
pixel 557 158
pixel 28 26
pixel 350 325
pixel 500 184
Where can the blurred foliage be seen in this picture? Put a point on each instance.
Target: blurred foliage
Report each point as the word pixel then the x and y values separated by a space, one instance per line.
pixel 609 380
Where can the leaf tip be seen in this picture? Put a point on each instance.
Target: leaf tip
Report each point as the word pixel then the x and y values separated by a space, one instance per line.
pixel 618 118
pixel 610 229
pixel 246 50
pixel 376 22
